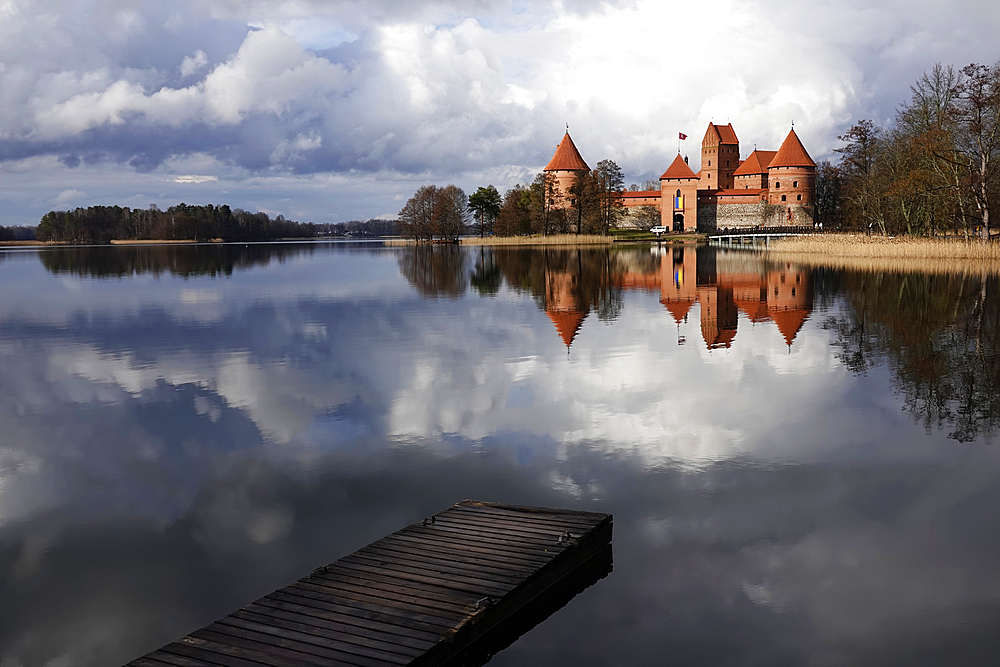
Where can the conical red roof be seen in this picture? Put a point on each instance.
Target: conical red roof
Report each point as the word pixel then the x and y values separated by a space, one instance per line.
pixel 789 322
pixel 678 169
pixel 566 157
pixel 567 324
pixel 679 309
pixel 792 154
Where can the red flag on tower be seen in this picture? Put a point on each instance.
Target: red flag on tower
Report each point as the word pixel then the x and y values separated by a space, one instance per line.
pixel 682 136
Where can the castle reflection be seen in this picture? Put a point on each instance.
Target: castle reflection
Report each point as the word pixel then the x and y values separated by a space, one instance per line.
pixel 568 284
pixel 725 284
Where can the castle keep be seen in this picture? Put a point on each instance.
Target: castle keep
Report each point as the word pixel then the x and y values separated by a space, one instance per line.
pixel 768 188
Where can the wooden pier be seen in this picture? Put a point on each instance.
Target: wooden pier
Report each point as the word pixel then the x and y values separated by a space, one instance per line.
pixel 451 589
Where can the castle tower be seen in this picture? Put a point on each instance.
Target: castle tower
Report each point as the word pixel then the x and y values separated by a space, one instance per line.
pixel 720 156
pixel 565 164
pixel 679 197
pixel 791 179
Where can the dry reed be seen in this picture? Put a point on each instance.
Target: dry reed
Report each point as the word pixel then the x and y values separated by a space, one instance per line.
pixel 880 253
pixel 554 239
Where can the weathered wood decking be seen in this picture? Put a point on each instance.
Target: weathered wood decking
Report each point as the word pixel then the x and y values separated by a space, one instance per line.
pixel 451 589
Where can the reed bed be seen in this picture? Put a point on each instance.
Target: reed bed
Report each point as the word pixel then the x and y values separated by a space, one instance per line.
pixel 879 253
pixel 553 239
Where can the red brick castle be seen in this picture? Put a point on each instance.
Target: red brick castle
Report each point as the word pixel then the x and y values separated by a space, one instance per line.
pixel 768 188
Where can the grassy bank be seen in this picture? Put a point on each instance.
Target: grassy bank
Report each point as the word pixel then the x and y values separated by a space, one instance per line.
pixel 880 253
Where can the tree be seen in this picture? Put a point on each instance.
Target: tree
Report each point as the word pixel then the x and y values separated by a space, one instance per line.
pixel 485 203
pixel 583 198
pixel 978 113
pixel 452 214
pixel 514 217
pixel 828 193
pixel 861 187
pixel 646 217
pixel 434 212
pixel 543 201
pixel 610 182
pixel 416 219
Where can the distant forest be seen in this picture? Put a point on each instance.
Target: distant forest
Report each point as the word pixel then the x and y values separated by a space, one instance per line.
pixel 17 233
pixel 184 222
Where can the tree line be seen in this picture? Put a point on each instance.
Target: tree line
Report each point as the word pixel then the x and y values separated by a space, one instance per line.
pixel 101 224
pixel 17 233
pixel 934 169
pixel 592 204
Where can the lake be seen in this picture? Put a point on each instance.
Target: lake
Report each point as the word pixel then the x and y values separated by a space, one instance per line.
pixel 800 461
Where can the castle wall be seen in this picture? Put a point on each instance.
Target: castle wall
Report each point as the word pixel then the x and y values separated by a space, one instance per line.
pixel 750 182
pixel 714 215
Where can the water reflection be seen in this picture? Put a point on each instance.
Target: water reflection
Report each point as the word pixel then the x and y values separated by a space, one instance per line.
pixel 940 336
pixel 208 259
pixel 570 283
pixel 164 459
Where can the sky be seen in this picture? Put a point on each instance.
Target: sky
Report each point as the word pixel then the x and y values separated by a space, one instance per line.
pixel 333 110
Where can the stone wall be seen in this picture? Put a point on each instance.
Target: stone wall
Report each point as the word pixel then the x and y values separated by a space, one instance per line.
pixel 713 216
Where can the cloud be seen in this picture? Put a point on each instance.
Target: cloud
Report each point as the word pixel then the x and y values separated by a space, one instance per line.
pixel 67 196
pixel 192 64
pixel 442 92
pixel 192 178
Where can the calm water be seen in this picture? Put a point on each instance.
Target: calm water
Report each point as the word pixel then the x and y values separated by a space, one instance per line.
pixel 799 461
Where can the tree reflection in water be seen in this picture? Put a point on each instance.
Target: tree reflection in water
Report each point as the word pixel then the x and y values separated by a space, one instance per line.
pixel 186 260
pixel 940 337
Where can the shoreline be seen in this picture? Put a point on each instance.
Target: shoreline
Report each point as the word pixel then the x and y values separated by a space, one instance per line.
pixel 559 240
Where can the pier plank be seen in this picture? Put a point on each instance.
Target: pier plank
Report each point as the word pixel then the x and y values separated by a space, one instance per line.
pixel 464 582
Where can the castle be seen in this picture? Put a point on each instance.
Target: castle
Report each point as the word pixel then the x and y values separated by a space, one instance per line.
pixel 768 188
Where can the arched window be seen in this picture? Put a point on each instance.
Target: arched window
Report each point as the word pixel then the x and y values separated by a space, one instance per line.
pixel 777 184
pixel 678 192
pixel 782 197
pixel 798 197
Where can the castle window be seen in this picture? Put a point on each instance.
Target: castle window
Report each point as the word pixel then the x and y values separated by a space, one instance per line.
pixel 798 197
pixel 782 197
pixel 777 185
pixel 709 163
pixel 678 193
pixel 795 184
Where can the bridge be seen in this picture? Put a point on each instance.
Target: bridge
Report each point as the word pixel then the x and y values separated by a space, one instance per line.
pixel 755 235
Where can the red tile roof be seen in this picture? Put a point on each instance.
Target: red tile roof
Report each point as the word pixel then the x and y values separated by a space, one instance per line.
pixel 756 163
pixel 725 133
pixel 792 154
pixel 566 157
pixel 678 169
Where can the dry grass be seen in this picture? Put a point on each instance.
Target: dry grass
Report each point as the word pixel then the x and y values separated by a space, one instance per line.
pixel 879 253
pixel 158 241
pixel 554 239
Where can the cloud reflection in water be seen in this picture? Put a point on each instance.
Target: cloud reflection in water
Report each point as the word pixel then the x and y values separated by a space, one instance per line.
pixel 159 469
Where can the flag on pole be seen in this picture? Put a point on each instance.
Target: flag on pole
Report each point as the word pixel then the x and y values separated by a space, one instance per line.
pixel 682 136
